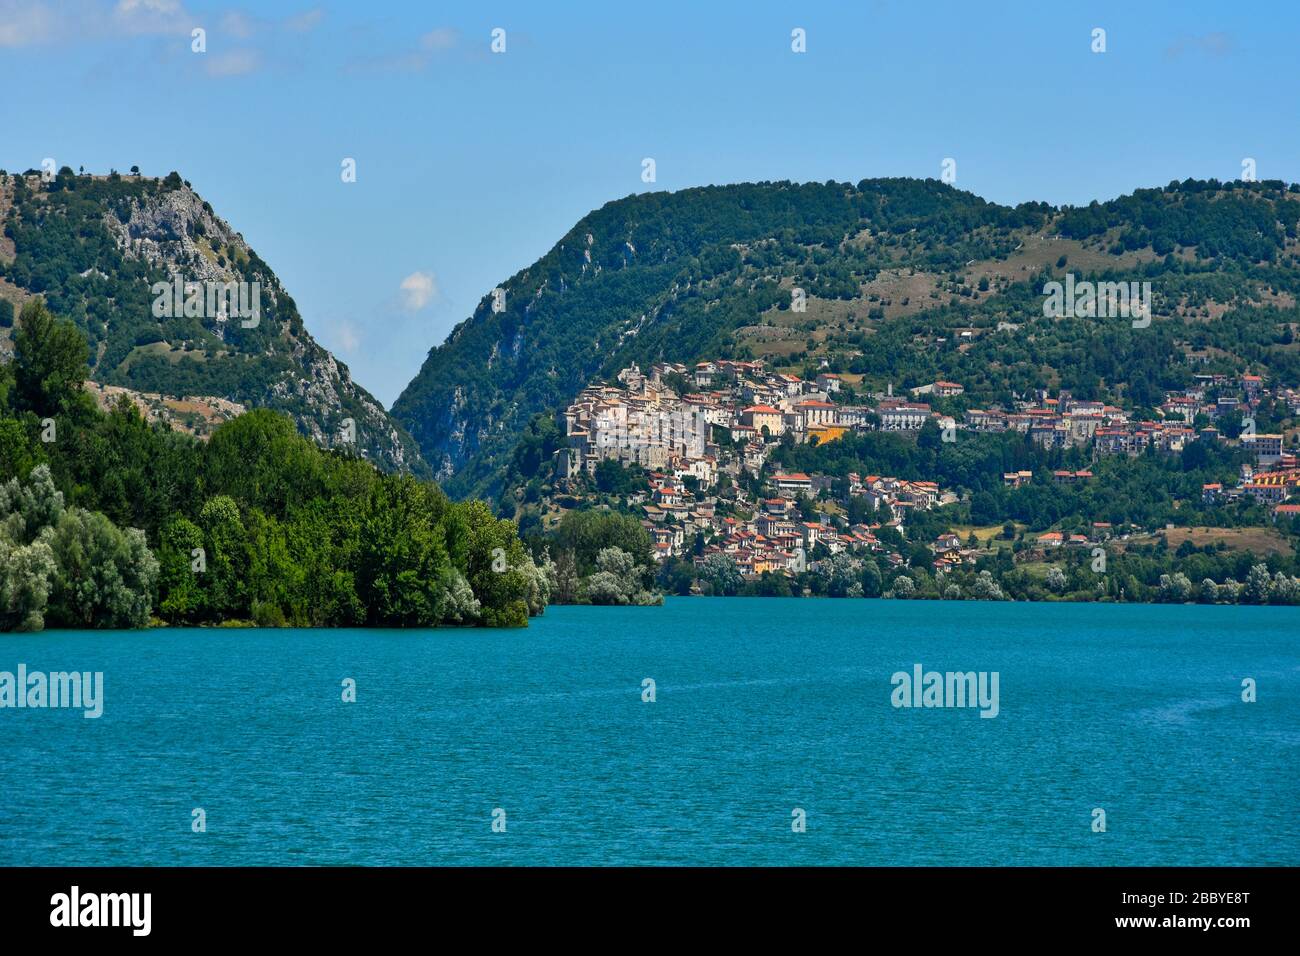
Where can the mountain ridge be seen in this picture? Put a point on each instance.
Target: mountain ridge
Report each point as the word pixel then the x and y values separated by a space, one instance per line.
pixel 887 266
pixel 95 247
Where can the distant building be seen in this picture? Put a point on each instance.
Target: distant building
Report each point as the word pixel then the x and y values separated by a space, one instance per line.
pixel 902 416
pixel 792 484
pixel 759 417
pixel 939 389
pixel 1267 448
pixel 813 412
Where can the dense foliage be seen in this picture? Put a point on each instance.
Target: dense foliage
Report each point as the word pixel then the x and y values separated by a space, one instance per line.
pixel 258 524
pixel 600 557
pixel 1148 491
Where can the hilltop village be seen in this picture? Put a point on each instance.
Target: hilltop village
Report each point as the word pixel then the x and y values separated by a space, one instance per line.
pixel 705 439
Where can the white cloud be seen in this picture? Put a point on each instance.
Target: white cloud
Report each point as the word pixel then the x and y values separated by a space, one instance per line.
pixel 307 20
pixel 151 16
pixel 348 338
pixel 232 63
pixel 443 38
pixel 130 7
pixel 1211 44
pixel 30 22
pixel 241 25
pixel 238 24
pixel 430 45
pixel 24 24
pixel 418 290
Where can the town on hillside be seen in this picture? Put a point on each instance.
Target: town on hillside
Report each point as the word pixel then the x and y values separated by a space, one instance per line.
pixel 702 436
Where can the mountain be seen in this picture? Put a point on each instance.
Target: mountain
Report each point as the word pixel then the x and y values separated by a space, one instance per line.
pixel 99 248
pixel 906 282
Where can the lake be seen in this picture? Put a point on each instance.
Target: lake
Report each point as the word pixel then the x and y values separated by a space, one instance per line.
pixel 762 707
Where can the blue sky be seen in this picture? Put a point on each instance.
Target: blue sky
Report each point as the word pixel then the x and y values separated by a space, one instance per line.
pixel 471 164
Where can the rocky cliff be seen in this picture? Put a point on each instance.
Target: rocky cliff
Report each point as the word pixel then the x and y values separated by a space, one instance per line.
pixel 101 249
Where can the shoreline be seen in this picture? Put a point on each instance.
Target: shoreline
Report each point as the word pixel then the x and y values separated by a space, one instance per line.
pixel 243 625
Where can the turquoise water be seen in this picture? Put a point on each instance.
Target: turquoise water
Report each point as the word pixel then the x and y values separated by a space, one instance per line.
pixel 762 706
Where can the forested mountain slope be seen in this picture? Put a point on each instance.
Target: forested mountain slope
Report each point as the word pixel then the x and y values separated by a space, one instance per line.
pixel 94 247
pixel 907 281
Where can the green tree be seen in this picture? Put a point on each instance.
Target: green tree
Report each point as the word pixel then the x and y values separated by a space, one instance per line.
pixel 402 555
pixel 618 580
pixel 1258 585
pixel 839 576
pixel 49 360
pixel 871 578
pixel 26 510
pixel 26 574
pixel 226 545
pixel 105 576
pixel 180 588
pixel 457 602
pixel 568 583
pixel 676 576
pixel 495 564
pixel 587 533
pixel 17 450
pixel 722 574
